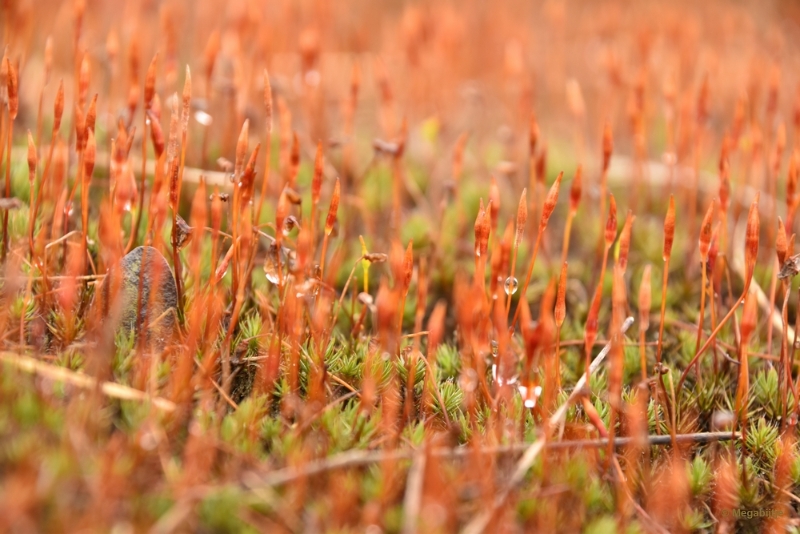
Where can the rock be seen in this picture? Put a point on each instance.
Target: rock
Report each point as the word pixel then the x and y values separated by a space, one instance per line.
pixel 123 281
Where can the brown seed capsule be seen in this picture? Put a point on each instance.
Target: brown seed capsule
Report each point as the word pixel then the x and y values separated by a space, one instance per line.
pixel 458 157
pixel 478 227
pixel 590 329
pixel 625 242
pixel 669 229
pixel 112 46
pixel 705 231
pixel 397 259
pixel 156 134
pixel 241 148
pixel 724 189
pixel 150 83
pixel 4 66
pixel 485 229
pixel 533 134
pixel 724 152
pixel 133 99
pixel 436 327
pixel 561 307
pixel 751 240
pixel 58 106
pixel 748 325
pixel 32 159
pixel 89 154
pixel 248 180
pixel 174 127
pixel 550 201
pixel 619 300
pixel 780 140
pixel 408 265
pixel 91 113
pixel 83 80
pixel 294 160
pixel 13 90
pixel 500 262
pixel 522 217
pixel 611 222
pixel 781 244
pixel 48 58
pixel 791 179
pixel 645 300
pixel 402 137
pixel 80 129
pixel 546 308
pixel 216 210
pixel 576 190
pixel 494 199
pixel 334 207
pixel 211 51
pixel 187 101
pixel 316 181
pixel 608 146
pixel 713 251
pixel 541 165
pixel 284 207
pixel 268 102
pixel 702 100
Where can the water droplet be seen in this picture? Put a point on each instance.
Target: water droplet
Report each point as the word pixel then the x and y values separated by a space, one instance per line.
pixel 289 223
pixel 271 265
pixel 203 118
pixel 511 285
pixel 530 395
pixel 127 206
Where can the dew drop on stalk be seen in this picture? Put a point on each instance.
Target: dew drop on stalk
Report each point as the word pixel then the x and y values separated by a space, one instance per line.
pixel 511 285
pixel 203 118
pixel 272 275
pixel 530 395
pixel 289 223
pixel 271 265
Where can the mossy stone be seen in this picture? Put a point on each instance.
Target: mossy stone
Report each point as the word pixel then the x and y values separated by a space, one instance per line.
pixel 159 296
